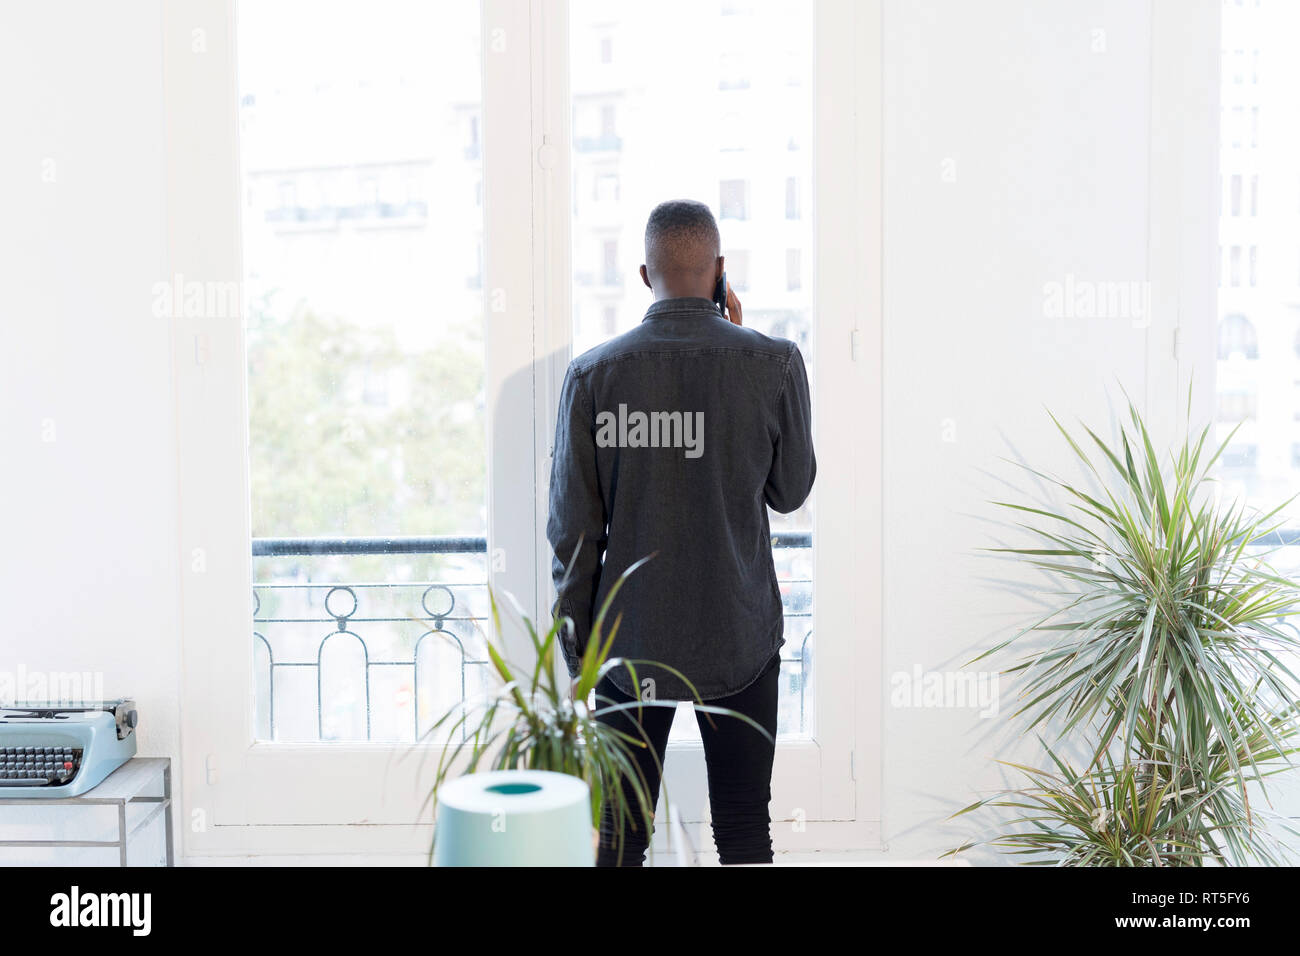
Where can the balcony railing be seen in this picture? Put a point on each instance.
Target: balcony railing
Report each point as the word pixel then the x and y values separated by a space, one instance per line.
pixel 357 212
pixel 301 624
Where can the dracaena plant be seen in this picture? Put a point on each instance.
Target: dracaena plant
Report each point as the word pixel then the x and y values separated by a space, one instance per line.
pixel 1109 815
pixel 530 720
pixel 1167 649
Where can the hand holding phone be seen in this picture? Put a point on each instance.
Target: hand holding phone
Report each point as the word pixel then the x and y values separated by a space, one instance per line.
pixel 724 297
pixel 733 307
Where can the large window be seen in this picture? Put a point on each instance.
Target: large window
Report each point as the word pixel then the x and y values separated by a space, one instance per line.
pixel 362 228
pixel 414 181
pixel 742 147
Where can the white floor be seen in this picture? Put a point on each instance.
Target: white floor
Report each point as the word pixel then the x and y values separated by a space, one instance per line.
pixel 823 858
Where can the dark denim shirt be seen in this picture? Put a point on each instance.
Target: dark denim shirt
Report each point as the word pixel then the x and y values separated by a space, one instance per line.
pixel 673 439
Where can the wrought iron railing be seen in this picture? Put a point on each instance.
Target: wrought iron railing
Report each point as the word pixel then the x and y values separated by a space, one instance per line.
pixel 446 612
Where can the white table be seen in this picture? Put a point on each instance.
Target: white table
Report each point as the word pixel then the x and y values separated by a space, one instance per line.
pixel 127 785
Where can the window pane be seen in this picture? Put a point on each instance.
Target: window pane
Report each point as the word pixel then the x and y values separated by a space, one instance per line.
pixel 362 219
pixel 743 147
pixel 1258 364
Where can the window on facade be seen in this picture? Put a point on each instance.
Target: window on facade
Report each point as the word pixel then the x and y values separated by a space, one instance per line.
pixel 472 147
pixel 738 269
pixel 606 187
pixel 1237 337
pixel 609 271
pixel 733 202
pixel 1236 406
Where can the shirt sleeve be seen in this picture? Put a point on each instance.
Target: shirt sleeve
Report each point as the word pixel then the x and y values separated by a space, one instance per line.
pixel 576 524
pixel 794 466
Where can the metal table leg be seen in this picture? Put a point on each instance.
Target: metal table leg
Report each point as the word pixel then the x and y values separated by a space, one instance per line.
pixel 167 820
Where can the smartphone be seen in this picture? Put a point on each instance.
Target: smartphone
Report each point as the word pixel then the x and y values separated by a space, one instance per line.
pixel 720 294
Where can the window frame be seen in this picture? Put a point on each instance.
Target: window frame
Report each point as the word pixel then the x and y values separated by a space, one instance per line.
pixel 244 797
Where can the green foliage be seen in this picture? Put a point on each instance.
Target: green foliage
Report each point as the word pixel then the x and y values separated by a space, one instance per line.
pixel 1170 649
pixel 326 458
pixel 1113 815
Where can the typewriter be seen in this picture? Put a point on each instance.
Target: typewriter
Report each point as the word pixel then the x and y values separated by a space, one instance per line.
pixel 62 750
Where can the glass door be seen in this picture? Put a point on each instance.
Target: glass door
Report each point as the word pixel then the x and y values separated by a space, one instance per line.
pixel 368 449
pixel 713 102
pixel 748 156
pixel 387 426
pixel 362 166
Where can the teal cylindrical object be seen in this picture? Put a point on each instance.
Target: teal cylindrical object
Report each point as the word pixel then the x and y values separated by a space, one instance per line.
pixel 514 818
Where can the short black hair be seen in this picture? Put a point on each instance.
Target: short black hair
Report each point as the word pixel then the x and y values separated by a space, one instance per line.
pixel 681 235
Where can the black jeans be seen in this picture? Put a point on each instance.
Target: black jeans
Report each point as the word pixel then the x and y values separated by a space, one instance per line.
pixel 739 762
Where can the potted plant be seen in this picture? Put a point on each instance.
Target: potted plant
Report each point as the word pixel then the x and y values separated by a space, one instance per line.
pixel 1165 655
pixel 532 721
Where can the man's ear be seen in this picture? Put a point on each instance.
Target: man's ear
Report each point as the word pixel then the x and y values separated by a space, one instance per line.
pixel 645 277
pixel 722 267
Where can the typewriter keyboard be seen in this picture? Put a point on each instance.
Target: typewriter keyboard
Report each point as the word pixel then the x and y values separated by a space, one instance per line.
pixel 38 766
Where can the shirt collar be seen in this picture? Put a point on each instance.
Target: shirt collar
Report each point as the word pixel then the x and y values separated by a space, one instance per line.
pixel 682 305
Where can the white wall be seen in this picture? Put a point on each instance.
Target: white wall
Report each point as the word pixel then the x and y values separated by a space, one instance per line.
pixel 88 574
pixel 1048 143
pixel 1016 153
